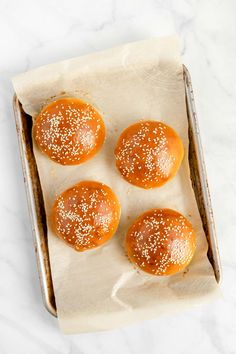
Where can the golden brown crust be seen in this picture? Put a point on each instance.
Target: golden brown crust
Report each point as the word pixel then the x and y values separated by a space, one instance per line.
pixel 86 215
pixel 161 242
pixel 148 154
pixel 69 131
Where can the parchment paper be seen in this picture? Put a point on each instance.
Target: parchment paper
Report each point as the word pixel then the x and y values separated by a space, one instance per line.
pixel 100 289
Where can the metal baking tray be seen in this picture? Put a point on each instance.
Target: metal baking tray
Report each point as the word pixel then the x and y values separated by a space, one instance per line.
pixel 36 205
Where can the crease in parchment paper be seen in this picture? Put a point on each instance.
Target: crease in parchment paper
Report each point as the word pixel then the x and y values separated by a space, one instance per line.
pixel 100 289
pixel 115 289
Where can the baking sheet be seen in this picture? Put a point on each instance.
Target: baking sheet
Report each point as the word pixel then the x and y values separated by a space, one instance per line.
pixel 100 289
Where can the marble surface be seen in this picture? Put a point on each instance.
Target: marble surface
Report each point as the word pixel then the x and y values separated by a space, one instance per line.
pixel 34 33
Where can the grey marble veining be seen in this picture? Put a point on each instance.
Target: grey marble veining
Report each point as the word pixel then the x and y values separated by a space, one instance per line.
pixel 34 33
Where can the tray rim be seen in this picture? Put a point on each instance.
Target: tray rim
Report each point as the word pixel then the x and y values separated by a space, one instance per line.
pixel 192 119
pixel 40 255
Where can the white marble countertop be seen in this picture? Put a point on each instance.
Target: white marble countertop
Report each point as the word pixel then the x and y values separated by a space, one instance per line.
pixel 34 33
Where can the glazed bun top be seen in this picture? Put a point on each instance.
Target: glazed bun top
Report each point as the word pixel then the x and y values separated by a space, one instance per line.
pixel 161 242
pixel 148 154
pixel 86 215
pixel 69 131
